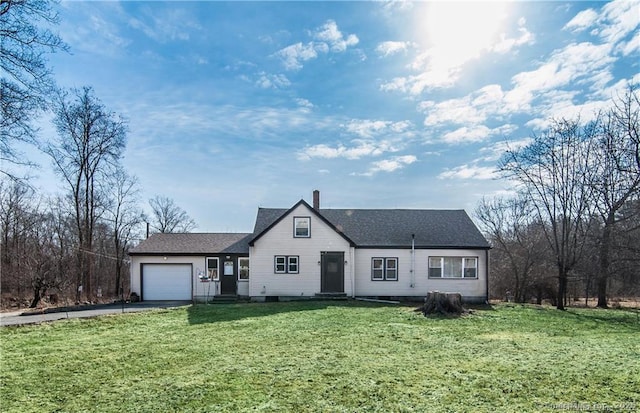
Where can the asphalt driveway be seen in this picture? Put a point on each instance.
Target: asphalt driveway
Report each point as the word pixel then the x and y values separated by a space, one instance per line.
pixel 52 314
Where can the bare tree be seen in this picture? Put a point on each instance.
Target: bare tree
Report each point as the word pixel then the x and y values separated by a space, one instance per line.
pixel 41 260
pixel 510 225
pixel 18 213
pixel 552 171
pixel 90 142
pixel 26 80
pixel 616 175
pixel 168 217
pixel 125 218
pixel 35 244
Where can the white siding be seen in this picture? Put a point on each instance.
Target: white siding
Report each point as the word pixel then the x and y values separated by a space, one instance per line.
pixel 469 288
pixel 243 287
pixel 279 240
pixel 198 265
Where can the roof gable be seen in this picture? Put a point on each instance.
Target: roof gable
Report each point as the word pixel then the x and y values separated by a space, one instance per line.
pixel 388 228
pixel 267 218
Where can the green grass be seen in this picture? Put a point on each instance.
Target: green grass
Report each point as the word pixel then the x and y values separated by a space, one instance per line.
pixel 324 356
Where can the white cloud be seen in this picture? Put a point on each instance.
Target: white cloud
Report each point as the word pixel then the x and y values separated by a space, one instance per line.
pixel 476 133
pixel 571 74
pixel 506 44
pixel 495 151
pixel 292 56
pixel 357 151
pixel 390 48
pixel 271 81
pixel 164 24
pixel 372 138
pixel 448 48
pixel 620 18
pixel 304 103
pixel 390 165
pixel 366 128
pixel 578 63
pixel 94 28
pixel 632 46
pixel 330 34
pixel 561 106
pixel 581 21
pixel 470 172
pixel 326 38
pixel 456 111
pixel 616 20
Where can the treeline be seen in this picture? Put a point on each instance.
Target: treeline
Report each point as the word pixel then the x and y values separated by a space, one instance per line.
pixel 73 246
pixel 572 228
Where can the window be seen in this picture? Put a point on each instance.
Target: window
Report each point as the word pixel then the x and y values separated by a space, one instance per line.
pixel 280 265
pixel 435 267
pixel 243 268
pixel 292 265
pixel 286 264
pixel 228 268
pixel 470 268
pixel 212 268
pixel 302 227
pixel 453 267
pixel 377 268
pixel 384 269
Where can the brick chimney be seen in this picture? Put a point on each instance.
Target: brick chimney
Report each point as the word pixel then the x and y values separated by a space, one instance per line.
pixel 316 200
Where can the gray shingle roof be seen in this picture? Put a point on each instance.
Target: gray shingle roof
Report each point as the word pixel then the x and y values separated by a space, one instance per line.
pixel 385 228
pixel 378 228
pixel 194 244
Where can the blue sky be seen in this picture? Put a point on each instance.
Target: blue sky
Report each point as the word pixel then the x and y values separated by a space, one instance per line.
pixel 235 105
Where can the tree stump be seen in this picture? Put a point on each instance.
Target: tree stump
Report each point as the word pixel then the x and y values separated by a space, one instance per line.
pixel 442 303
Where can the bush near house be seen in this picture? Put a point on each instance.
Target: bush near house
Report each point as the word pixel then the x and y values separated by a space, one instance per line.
pixel 324 356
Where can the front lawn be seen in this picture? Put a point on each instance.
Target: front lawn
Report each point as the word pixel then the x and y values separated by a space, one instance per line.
pixel 324 356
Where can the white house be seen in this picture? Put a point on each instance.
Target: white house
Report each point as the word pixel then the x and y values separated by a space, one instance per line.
pixel 307 251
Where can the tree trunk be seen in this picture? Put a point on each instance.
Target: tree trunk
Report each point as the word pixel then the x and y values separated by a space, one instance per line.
pixel 562 289
pixel 37 296
pixel 603 276
pixel 442 303
pixel 602 292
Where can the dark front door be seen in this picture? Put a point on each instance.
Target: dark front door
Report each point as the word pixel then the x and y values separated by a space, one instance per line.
pixel 332 272
pixel 228 278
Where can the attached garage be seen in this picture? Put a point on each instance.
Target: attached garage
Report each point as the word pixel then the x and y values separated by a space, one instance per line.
pixel 163 282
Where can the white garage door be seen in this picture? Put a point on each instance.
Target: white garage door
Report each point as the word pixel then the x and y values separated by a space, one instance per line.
pixel 166 282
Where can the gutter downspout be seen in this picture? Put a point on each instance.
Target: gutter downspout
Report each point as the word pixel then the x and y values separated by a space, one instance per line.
pixel 486 275
pixel 352 270
pixel 413 261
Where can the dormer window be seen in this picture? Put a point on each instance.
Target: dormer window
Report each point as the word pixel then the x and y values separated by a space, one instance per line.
pixel 301 227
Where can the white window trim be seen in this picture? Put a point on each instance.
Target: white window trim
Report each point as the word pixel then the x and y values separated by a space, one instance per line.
pixel 217 277
pixel 385 268
pixel 462 262
pixel 380 269
pixel 297 264
pixel 287 261
pixel 240 269
pixel 295 227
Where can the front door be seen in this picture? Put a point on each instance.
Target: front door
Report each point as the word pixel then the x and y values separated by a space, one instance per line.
pixel 332 272
pixel 228 279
